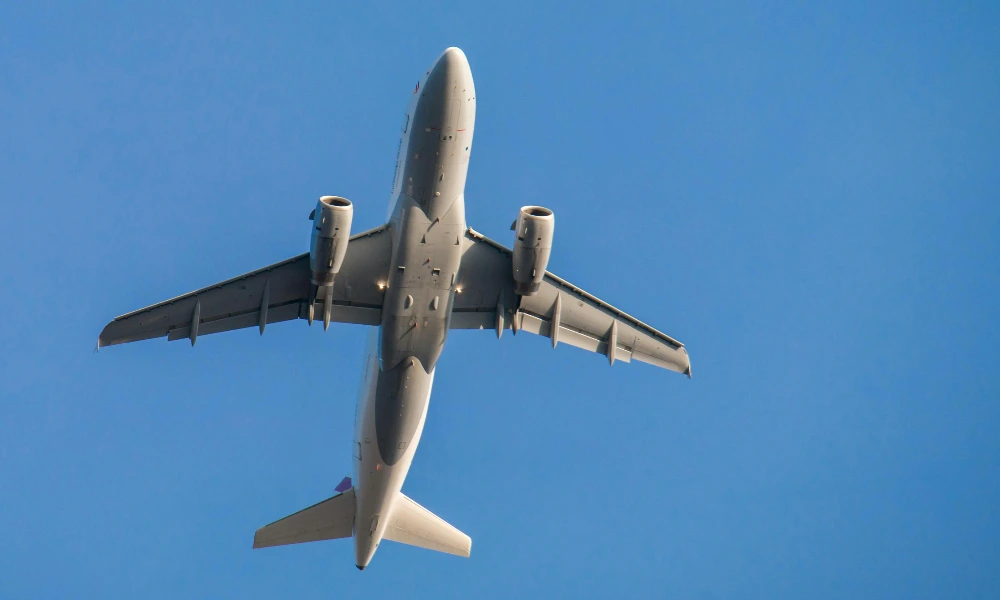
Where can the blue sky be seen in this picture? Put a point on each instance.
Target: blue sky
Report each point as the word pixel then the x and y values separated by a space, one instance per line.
pixel 807 196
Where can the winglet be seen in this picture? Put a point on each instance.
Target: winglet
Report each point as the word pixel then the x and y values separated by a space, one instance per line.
pixel 688 372
pixel 343 486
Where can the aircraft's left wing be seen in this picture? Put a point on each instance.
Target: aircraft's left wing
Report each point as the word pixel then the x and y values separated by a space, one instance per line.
pixel 415 525
pixel 276 293
pixel 559 310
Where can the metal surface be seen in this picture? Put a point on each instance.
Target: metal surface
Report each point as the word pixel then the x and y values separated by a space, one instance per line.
pixel 412 280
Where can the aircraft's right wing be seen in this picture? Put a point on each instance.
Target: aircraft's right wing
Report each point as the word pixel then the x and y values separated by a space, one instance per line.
pixel 330 519
pixel 276 293
pixel 559 310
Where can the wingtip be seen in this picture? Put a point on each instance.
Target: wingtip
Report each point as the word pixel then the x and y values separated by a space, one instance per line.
pixel 106 337
pixel 100 338
pixel 688 372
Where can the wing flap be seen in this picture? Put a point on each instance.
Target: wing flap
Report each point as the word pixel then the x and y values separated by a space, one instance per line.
pixel 472 319
pixel 360 315
pixel 275 314
pixel 568 335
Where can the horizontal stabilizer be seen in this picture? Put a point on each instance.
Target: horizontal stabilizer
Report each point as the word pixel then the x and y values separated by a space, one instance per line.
pixel 415 525
pixel 329 520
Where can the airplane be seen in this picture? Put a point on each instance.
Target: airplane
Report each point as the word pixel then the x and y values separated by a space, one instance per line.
pixel 412 280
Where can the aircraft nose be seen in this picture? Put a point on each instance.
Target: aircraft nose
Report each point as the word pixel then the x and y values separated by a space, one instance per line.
pixel 454 55
pixel 448 84
pixel 452 62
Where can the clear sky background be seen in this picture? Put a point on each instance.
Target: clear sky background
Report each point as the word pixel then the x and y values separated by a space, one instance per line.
pixel 806 196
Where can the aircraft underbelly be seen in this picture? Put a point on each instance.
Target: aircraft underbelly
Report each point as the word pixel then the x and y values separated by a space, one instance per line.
pixel 392 411
pixel 427 222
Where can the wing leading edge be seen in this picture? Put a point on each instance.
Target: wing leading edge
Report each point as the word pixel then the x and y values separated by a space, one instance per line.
pixel 279 292
pixel 560 311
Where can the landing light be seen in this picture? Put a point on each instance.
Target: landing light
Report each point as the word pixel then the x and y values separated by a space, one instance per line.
pixel 458 290
pixel 381 286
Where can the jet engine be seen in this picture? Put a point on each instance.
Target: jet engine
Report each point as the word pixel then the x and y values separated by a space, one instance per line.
pixel 331 230
pixel 533 232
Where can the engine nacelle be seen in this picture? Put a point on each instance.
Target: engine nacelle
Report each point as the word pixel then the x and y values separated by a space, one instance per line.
pixel 533 232
pixel 331 231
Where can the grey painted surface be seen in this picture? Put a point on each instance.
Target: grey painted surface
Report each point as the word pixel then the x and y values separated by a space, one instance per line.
pixel 429 217
pixel 400 402
pixel 585 321
pixel 327 520
pixel 236 303
pixel 415 278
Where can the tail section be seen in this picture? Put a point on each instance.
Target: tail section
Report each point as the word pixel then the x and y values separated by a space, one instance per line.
pixel 333 518
pixel 329 520
pixel 415 525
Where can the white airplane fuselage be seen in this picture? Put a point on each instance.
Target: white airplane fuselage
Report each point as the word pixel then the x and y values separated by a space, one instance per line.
pixel 403 277
pixel 427 222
